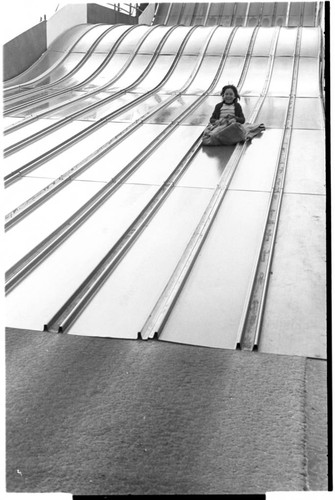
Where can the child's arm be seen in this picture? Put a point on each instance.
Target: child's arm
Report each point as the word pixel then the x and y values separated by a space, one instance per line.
pixel 216 115
pixel 239 116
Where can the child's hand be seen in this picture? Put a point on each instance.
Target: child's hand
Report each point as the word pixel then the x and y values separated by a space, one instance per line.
pixel 223 121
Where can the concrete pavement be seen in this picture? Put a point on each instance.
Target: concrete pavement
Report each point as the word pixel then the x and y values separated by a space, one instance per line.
pixel 107 416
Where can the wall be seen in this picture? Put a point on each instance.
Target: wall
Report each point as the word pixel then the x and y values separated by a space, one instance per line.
pixel 24 50
pixel 65 18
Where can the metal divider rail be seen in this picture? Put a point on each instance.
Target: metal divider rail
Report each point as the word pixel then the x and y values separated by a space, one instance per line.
pixel 73 307
pixel 91 93
pixel 20 86
pixel 21 211
pixel 168 14
pixel 28 167
pixel 246 15
pixel 17 272
pixel 161 311
pixel 21 107
pixel 207 14
pixel 76 114
pixel 48 86
pixel 249 330
pixel 155 14
pixel 63 319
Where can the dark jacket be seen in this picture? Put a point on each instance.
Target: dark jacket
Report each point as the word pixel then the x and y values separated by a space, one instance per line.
pixel 238 113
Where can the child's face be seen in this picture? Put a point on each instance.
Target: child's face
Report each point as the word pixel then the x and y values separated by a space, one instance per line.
pixel 228 96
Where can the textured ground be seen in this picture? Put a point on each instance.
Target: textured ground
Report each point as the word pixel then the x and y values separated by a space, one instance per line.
pixel 108 416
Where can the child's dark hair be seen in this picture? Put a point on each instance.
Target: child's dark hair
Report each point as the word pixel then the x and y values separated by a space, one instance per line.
pixel 233 88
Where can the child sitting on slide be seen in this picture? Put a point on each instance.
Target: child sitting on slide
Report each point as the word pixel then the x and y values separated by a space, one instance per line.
pixel 226 125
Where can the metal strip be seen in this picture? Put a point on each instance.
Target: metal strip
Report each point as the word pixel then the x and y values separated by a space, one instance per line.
pixel 22 85
pixel 274 17
pixel 66 315
pixel 40 160
pixel 159 315
pixel 30 261
pixel 207 14
pixel 41 196
pixel 288 13
pixel 249 331
pixel 315 13
pixel 33 258
pixel 319 14
pixel 32 203
pixel 233 17
pixel 302 13
pixel 73 307
pixel 246 15
pixel 248 56
pixel 66 90
pixel 51 128
pixel 260 17
pixel 29 205
pixel 60 80
pixel 322 83
pixel 56 107
pixel 167 15
pixel 155 14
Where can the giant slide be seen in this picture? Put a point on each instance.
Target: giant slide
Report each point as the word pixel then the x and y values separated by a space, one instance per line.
pixel 120 224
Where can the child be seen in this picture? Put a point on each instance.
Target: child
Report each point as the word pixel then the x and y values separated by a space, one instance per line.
pixel 229 107
pixel 225 126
